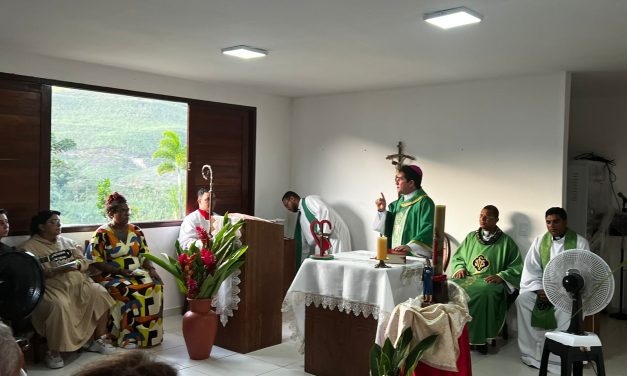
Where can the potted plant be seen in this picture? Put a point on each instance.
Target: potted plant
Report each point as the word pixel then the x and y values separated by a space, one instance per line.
pixel 199 272
pixel 398 360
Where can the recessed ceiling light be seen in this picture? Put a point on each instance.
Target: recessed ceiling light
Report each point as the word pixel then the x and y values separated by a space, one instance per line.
pixel 453 17
pixel 244 52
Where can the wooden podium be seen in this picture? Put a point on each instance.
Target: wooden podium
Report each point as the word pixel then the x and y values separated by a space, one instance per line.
pixel 257 321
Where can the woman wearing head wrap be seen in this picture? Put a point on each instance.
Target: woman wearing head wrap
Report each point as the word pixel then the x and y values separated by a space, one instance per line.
pixel 133 282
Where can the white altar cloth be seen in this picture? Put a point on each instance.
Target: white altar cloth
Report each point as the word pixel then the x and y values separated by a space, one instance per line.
pixel 227 298
pixel 351 284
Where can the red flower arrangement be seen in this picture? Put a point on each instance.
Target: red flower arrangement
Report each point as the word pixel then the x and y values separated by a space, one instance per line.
pixel 200 270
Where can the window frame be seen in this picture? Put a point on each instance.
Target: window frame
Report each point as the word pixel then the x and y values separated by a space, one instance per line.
pixel 45 147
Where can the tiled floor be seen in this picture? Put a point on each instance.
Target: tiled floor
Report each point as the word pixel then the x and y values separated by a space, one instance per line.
pixel 284 360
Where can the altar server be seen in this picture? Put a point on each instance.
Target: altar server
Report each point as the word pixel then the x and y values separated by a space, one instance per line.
pixel 536 314
pixel 310 209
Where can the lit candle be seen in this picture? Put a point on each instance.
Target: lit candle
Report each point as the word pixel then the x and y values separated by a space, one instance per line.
pixel 382 248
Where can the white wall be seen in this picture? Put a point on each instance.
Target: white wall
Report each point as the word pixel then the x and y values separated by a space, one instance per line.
pixel 495 142
pixel 273 129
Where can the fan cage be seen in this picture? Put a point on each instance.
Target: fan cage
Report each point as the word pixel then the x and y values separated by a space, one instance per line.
pixel 598 281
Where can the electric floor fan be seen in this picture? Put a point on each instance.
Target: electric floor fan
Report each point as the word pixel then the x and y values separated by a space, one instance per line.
pixel 580 283
pixel 21 285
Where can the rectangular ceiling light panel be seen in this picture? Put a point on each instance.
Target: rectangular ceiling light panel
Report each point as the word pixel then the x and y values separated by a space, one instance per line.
pixel 244 52
pixel 454 17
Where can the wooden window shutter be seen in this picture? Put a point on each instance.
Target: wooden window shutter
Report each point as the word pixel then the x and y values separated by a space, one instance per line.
pixel 222 136
pixel 24 150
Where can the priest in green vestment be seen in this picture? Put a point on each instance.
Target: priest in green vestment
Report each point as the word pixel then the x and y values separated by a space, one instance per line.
pixel 408 221
pixel 488 266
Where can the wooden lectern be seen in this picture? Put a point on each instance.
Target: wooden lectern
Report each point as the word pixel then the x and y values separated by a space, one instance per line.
pixel 257 321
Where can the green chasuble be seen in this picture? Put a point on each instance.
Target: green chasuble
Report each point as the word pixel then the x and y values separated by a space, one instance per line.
pixel 488 301
pixel 410 221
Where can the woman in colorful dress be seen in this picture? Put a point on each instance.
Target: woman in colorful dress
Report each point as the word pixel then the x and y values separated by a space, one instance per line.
pixel 132 281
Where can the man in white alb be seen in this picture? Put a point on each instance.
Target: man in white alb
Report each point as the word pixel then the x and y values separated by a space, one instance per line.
pixel 202 217
pixel 310 209
pixel 536 315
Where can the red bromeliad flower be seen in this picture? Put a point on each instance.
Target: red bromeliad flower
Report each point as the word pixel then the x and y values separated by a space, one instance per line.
pixel 192 288
pixel 203 236
pixel 183 260
pixel 208 258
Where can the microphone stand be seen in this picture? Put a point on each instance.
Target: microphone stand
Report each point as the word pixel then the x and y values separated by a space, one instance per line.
pixel 620 315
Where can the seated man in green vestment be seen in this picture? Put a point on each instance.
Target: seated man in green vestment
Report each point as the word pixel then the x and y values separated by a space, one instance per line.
pixel 488 266
pixel 408 221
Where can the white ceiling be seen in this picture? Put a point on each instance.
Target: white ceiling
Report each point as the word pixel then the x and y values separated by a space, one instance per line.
pixel 323 46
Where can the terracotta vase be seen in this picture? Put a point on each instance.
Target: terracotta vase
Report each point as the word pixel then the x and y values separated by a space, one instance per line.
pixel 200 325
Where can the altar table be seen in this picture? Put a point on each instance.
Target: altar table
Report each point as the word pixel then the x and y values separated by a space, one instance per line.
pixel 341 290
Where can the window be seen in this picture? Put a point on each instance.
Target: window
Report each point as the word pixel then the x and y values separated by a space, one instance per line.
pixel 57 160
pixel 103 142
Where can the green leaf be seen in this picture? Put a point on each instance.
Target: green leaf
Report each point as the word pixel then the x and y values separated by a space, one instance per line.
pixel 401 346
pixel 417 352
pixel 375 353
pixel 385 366
pixel 165 265
pixel 165 168
pixel 388 349
pixel 204 290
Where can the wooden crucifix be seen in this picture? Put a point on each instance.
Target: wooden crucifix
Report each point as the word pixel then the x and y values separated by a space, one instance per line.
pixel 398 158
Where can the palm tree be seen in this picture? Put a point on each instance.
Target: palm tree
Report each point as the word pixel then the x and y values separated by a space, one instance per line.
pixel 175 161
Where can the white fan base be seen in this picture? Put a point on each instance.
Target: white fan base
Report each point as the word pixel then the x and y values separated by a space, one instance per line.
pixel 573 340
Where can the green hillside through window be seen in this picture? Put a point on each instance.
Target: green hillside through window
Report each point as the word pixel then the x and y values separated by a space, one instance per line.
pixel 104 142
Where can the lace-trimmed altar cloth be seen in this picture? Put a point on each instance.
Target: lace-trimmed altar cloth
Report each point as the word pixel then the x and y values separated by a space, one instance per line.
pixel 227 298
pixel 351 284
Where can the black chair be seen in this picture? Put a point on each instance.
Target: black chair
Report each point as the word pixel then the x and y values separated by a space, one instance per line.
pixel 572 358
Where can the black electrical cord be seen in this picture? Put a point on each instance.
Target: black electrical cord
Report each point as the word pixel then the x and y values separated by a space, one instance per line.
pixel 609 164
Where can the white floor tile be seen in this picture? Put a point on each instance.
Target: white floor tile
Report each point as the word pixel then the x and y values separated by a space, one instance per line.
pixel 281 355
pixel 286 372
pixel 170 341
pixel 190 372
pixel 235 365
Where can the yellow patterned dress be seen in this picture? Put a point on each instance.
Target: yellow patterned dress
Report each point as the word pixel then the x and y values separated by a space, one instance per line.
pixel 137 315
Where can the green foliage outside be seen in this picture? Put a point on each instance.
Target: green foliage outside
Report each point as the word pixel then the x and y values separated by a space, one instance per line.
pixel 103 143
pixel 174 156
pixel 103 190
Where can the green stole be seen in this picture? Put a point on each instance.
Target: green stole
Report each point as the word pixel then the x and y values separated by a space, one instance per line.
pixel 298 232
pixel 399 220
pixel 543 314
pixel 298 240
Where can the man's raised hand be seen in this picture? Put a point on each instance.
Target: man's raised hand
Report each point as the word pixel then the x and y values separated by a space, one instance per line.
pixel 380 202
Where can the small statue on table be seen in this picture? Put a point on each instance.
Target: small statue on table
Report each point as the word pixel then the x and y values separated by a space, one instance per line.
pixel 427 285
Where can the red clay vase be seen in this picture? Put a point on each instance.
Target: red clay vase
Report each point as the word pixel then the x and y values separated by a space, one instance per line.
pixel 200 325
